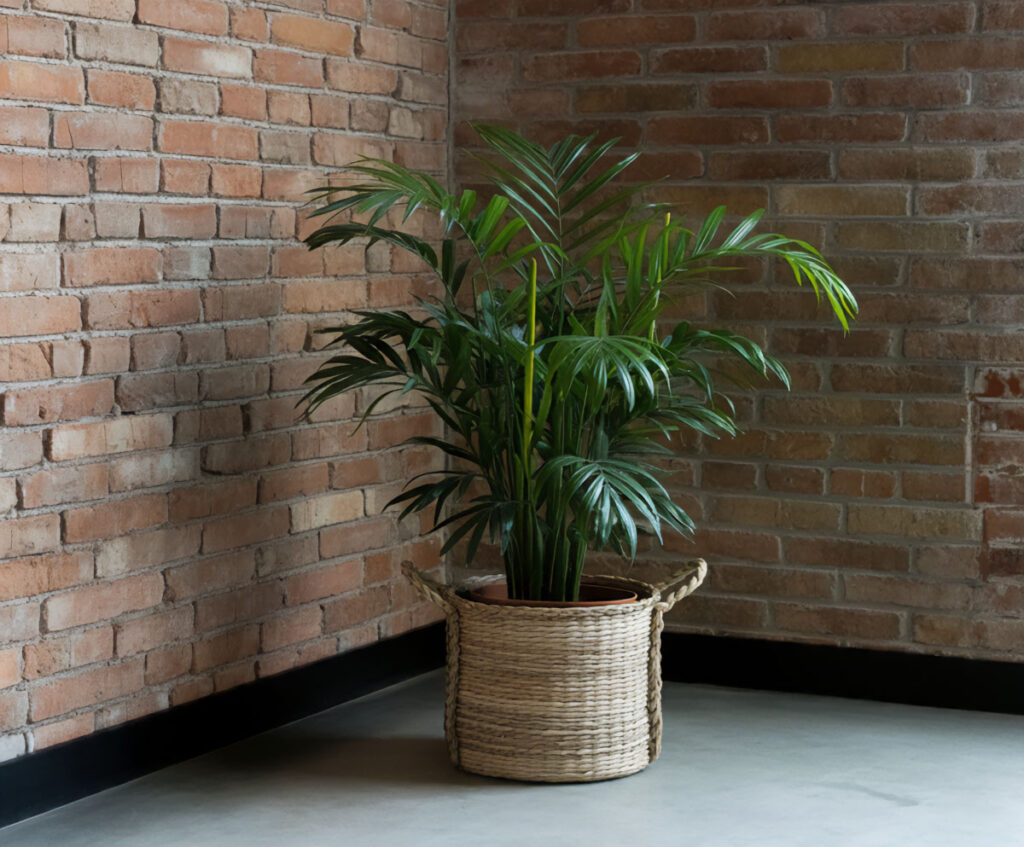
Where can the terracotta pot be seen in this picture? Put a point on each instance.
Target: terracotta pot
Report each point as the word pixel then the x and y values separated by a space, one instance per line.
pixel 591 594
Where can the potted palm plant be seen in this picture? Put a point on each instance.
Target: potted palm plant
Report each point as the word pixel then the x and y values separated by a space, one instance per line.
pixel 546 355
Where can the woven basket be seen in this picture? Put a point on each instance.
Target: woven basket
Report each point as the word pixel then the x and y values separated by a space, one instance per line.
pixel 556 694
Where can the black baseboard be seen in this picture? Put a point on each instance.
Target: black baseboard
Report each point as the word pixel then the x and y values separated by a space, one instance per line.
pixel 35 783
pixel 912 678
pixel 41 781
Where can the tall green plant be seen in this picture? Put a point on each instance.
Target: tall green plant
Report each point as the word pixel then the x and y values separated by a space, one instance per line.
pixel 552 372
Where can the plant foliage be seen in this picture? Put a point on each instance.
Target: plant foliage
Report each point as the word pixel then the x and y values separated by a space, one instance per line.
pixel 545 353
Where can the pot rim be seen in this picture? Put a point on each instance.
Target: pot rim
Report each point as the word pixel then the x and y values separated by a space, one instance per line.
pixel 495 593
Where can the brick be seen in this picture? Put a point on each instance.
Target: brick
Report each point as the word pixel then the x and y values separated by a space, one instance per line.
pixel 631 30
pixel 39 175
pixel 243 101
pixel 777 94
pixel 137 432
pixel 249 24
pixel 869 128
pixel 202 345
pixel 122 90
pixel 291 627
pixel 247 342
pixel 643 97
pixel 243 604
pixel 188 97
pixel 355 608
pixel 144 550
pixel 119 10
pixel 28 271
pixel 54 655
pixel 550 67
pixel 131 176
pixel 283 68
pixel 359 79
pixel 313 34
pixel 903 237
pixel 329 509
pixel 236 181
pixel 121 44
pixel 153 469
pixel 102 601
pixel 30 575
pixel 925 91
pixel 86 689
pixel 20 622
pixel 35 81
pixel 260 452
pixel 114 518
pixel 833 200
pixel 57 485
pixel 166 220
pixel 230 646
pixel 347 539
pixel 243 530
pixel 238 381
pixel 27 36
pixel 289 107
pixel 185 176
pixel 25 362
pixel 775 24
pixel 139 635
pixel 111 266
pixel 138 309
pixel 833 57
pixel 117 220
pixel 915 522
pixel 24 126
pixel 761 165
pixel 10 667
pixel 913 164
pixel 720 612
pixel 904 19
pixel 199 138
pixel 201 16
pixel 846 623
pixel 38 222
pixel 975 125
pixel 28 406
pixel 168 663
pixel 13 712
pixel 204 501
pixel 203 57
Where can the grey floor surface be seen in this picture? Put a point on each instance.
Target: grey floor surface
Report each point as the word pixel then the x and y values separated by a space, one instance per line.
pixel 739 768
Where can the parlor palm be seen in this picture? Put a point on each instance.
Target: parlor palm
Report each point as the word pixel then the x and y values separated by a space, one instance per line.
pixel 544 352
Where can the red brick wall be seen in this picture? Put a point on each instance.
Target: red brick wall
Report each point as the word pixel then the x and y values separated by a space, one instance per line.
pixel 166 528
pixel 881 503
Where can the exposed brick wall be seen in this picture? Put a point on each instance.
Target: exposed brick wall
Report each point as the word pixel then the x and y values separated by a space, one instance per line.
pixel 167 529
pixel 881 503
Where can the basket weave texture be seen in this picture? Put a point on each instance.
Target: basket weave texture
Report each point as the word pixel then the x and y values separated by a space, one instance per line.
pixel 556 694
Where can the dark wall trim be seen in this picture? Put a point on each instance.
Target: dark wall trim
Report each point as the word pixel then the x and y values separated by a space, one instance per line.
pixel 41 781
pixel 913 678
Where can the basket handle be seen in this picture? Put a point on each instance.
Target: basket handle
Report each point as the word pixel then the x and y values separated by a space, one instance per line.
pixel 430 589
pixel 681 583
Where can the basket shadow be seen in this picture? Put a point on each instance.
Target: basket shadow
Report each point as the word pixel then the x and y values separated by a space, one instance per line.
pixel 313 756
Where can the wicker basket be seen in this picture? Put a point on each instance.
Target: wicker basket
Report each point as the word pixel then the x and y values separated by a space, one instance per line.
pixel 556 694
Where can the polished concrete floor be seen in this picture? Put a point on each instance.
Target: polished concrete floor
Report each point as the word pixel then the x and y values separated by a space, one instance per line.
pixel 739 768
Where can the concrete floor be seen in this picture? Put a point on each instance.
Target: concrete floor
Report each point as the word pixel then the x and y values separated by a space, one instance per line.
pixel 739 768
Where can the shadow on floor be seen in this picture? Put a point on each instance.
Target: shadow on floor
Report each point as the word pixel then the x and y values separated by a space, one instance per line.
pixel 305 756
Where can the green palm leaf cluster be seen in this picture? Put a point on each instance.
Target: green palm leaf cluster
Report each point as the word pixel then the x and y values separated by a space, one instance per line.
pixel 544 352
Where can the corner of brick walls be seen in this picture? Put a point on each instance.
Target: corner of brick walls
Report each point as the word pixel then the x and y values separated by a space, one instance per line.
pixel 880 503
pixel 167 528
